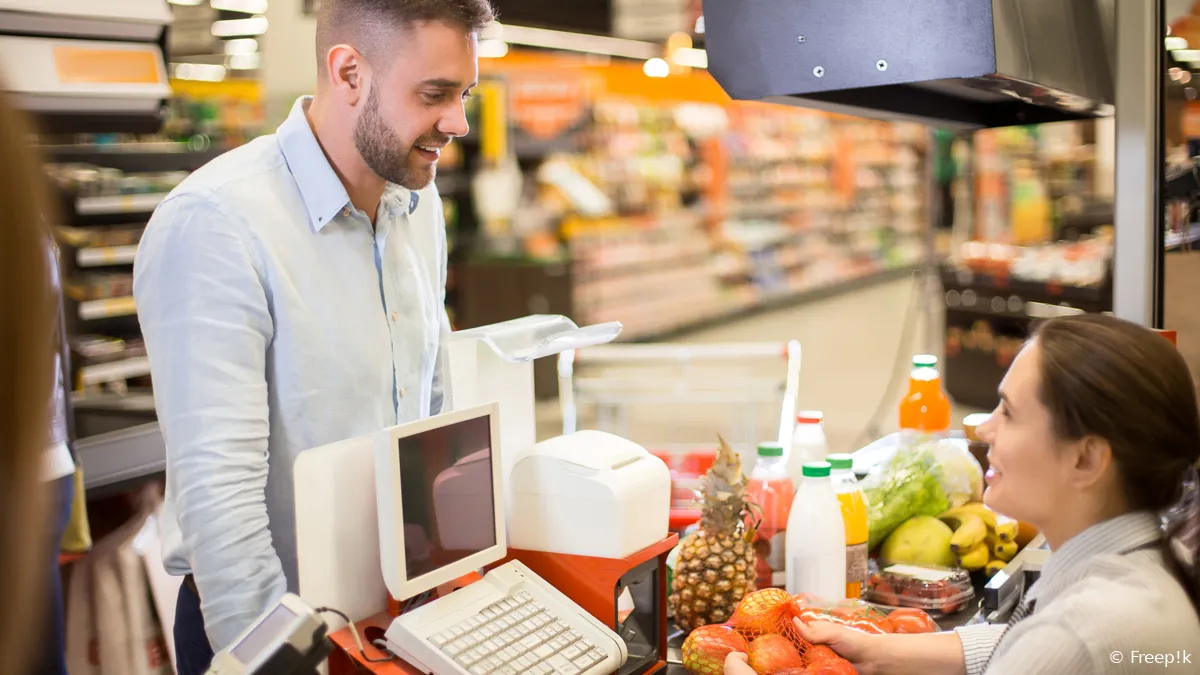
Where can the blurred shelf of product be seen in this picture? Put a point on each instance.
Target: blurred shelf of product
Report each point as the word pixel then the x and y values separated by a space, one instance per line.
pixel 670 207
pixel 1033 239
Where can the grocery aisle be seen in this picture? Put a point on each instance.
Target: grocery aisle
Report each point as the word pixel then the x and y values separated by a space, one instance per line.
pixel 849 344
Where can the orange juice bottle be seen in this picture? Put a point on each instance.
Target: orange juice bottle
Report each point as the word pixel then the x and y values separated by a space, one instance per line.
pixel 925 407
pixel 854 513
pixel 771 488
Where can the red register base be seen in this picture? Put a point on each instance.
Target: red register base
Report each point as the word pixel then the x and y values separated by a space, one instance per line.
pixel 590 582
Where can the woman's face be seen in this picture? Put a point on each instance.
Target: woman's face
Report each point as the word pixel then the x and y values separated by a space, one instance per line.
pixel 1028 468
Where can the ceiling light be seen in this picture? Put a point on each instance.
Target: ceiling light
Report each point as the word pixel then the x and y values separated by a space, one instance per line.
pixel 492 49
pixel 256 25
pixel 656 67
pixel 700 25
pixel 245 61
pixel 241 46
pixel 186 3
pixel 245 6
pixel 204 72
pixel 1173 43
pixel 580 42
pixel 690 57
pixel 1186 54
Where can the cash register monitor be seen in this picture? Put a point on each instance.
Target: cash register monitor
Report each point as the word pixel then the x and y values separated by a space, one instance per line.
pixel 440 499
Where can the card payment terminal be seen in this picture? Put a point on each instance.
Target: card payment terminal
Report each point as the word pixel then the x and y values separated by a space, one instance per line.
pixel 290 639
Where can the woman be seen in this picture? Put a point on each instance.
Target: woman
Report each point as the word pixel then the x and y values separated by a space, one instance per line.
pixel 1096 435
pixel 27 374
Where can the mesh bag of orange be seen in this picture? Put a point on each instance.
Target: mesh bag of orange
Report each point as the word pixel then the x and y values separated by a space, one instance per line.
pixel 761 627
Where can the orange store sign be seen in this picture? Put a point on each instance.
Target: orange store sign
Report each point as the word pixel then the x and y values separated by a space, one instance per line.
pixel 91 65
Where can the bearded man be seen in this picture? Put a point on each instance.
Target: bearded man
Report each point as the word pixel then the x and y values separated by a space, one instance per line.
pixel 291 294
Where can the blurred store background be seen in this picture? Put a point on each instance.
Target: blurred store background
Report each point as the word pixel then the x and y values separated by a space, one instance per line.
pixel 607 177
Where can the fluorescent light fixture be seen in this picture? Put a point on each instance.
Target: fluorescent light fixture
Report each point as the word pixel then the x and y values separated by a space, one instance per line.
pixel 700 25
pixel 241 46
pixel 204 72
pixel 690 57
pixel 656 67
pixel 492 49
pixel 245 6
pixel 1174 43
pixel 580 42
pixel 255 25
pixel 186 3
pixel 1186 54
pixel 245 61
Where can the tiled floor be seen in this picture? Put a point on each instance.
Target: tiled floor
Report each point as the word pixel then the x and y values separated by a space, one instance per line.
pixel 851 350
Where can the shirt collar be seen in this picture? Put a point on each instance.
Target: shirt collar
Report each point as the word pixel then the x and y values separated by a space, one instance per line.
pixel 1112 537
pixel 322 190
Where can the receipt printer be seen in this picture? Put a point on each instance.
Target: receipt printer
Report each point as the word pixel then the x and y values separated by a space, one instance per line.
pixel 588 493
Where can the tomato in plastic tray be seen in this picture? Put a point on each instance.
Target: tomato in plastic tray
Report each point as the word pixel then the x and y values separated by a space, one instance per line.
pixel 937 590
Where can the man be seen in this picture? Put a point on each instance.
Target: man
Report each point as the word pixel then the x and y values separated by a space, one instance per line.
pixel 291 295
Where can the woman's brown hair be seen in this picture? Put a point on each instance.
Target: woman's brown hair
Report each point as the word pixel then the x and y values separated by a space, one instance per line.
pixel 1101 376
pixel 27 340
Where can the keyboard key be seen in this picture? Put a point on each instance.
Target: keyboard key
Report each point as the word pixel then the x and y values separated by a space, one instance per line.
pixel 494 662
pixel 588 659
pixel 573 652
pixel 472 622
pixel 524 596
pixel 480 670
pixel 508 654
pixel 568 669
pixel 544 651
pixel 523 662
pixel 492 646
pixel 561 642
pixel 544 634
pixel 541 669
pixel 440 639
pixel 453 649
pixel 529 642
pixel 558 627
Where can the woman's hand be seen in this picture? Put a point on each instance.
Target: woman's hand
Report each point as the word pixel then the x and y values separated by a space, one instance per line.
pixel 853 645
pixel 735 664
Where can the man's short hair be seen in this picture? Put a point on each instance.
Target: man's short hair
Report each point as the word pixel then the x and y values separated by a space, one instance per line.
pixel 369 25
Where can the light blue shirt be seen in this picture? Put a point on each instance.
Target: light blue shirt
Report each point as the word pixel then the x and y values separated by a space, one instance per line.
pixel 277 320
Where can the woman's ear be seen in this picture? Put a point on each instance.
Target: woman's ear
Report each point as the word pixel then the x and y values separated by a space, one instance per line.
pixel 1093 462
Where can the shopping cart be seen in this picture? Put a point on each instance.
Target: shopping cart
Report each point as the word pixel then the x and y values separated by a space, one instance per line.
pixel 675 399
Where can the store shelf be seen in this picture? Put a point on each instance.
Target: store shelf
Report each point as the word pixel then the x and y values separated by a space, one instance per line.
pixel 108 255
pixel 1176 240
pixel 107 308
pixel 118 204
pixel 114 371
pixel 120 456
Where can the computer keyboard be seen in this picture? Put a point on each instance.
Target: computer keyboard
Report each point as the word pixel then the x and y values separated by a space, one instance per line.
pixel 509 623
pixel 517 635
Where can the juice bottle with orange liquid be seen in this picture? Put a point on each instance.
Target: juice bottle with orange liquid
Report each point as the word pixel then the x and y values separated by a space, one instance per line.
pixel 925 407
pixel 771 488
pixel 854 514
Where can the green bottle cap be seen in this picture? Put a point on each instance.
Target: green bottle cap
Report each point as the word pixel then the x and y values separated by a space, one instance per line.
pixel 840 460
pixel 816 470
pixel 770 450
pixel 924 361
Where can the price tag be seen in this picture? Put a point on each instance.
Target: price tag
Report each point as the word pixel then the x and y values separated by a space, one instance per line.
pixel 115 65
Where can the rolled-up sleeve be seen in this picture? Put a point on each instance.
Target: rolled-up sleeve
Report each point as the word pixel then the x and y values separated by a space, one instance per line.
pixel 978 642
pixel 205 318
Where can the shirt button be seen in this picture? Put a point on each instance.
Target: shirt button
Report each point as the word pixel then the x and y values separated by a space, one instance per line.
pixel 346 212
pixel 403 392
pixel 395 316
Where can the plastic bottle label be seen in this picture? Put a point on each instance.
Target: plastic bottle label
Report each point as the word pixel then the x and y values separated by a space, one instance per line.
pixel 857 558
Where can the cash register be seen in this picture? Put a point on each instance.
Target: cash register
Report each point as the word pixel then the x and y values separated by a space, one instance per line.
pixel 440 494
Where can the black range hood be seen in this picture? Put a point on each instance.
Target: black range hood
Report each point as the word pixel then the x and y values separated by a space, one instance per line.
pixel 951 63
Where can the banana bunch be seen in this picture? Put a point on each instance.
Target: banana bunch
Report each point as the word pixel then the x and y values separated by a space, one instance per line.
pixel 983 539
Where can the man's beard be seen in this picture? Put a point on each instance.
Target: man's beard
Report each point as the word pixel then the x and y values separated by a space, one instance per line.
pixel 384 152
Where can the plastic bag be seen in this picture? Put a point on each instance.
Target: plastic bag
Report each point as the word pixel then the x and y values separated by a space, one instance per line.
pixel 923 479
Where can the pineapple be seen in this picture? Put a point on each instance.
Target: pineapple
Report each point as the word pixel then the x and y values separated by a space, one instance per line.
pixel 715 569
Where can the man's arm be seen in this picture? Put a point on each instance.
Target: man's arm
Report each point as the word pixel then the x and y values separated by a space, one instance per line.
pixel 204 316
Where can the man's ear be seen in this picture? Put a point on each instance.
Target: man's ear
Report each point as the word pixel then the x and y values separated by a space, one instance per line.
pixel 348 73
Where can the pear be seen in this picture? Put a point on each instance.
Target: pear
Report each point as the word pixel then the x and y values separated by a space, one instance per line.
pixel 923 540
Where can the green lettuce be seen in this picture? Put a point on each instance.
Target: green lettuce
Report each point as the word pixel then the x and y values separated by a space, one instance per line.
pixel 910 484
